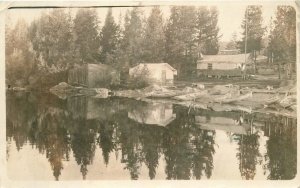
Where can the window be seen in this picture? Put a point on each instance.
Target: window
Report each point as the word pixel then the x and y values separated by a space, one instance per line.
pixel 209 66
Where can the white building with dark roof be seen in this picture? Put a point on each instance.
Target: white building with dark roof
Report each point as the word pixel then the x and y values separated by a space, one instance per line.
pixel 224 65
pixel 161 73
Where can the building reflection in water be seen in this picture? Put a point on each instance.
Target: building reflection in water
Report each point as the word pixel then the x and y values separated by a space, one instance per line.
pixel 153 114
pixel 183 144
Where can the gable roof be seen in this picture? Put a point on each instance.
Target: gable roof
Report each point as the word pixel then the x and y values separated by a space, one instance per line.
pixel 238 58
pixel 157 65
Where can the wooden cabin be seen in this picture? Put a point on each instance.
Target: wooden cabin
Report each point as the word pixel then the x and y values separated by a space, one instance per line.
pixel 93 76
pixel 223 65
pixel 160 73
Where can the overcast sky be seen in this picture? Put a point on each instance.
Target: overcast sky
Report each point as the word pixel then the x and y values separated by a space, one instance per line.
pixel 230 15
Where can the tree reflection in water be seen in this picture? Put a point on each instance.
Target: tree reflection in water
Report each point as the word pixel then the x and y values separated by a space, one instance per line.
pixel 79 125
pixel 281 148
pixel 248 153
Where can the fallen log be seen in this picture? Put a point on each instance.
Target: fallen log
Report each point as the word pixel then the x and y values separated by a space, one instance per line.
pixel 237 129
pixel 102 93
pixel 291 114
pixel 221 98
pixel 272 91
pixel 272 100
pixel 19 89
pixel 239 98
pixel 288 101
pixel 165 94
pixel 226 107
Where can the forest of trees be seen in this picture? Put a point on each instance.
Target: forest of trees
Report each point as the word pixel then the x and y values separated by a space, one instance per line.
pixel 282 40
pixel 281 47
pixel 60 39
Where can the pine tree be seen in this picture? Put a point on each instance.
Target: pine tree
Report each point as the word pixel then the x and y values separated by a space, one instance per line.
pixel 133 37
pixel 255 31
pixel 51 38
pixel 207 30
pixel 181 48
pixel 86 35
pixel 211 45
pixel 109 39
pixel 19 58
pixel 202 23
pixel 154 39
pixel 233 42
pixel 283 37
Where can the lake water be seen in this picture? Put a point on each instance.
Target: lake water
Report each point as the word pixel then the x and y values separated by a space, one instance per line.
pixel 99 139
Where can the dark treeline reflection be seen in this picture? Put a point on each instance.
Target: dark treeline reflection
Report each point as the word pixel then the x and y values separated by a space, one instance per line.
pixel 144 132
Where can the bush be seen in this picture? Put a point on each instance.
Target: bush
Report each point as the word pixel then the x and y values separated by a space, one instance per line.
pixel 39 81
pixel 138 82
pixel 140 79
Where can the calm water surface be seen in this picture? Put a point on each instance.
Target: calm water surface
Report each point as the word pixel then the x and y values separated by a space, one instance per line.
pixel 86 138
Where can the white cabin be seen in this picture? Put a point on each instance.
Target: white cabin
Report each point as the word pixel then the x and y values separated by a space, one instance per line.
pixel 161 73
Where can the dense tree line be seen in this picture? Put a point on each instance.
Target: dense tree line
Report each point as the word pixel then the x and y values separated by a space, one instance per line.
pixel 282 40
pixel 58 40
pixel 282 37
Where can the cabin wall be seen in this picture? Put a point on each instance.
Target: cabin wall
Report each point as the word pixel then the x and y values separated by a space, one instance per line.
pixel 220 69
pixel 78 76
pixel 233 72
pixel 219 66
pixel 94 76
pixel 154 74
pixel 157 75
pixel 98 76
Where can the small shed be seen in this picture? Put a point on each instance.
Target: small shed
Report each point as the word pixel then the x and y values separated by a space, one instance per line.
pixel 223 65
pixel 93 76
pixel 161 73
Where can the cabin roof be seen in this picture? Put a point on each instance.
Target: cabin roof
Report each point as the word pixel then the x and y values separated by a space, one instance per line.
pixel 92 66
pixel 238 58
pixel 231 50
pixel 157 65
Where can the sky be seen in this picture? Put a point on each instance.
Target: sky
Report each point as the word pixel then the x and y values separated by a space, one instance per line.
pixel 230 15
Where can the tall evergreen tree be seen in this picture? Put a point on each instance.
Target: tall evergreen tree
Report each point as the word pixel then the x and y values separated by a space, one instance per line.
pixel 233 42
pixel 181 50
pixel 51 37
pixel 18 56
pixel 202 22
pixel 255 31
pixel 211 45
pixel 283 37
pixel 207 30
pixel 109 39
pixel 86 35
pixel 133 37
pixel 154 39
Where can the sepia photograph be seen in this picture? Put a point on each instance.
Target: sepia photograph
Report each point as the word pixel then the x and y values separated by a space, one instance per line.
pixel 151 92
